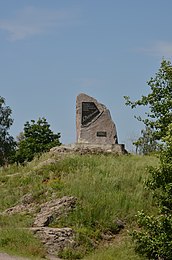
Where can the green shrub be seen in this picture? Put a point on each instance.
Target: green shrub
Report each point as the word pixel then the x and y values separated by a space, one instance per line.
pixel 36 139
pixel 154 240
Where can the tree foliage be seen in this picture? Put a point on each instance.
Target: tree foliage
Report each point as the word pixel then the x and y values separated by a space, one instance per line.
pixel 146 144
pixel 36 138
pixel 7 143
pixel 159 101
pixel 154 240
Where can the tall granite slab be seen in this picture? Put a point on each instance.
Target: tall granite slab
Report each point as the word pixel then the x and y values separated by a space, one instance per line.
pixel 94 124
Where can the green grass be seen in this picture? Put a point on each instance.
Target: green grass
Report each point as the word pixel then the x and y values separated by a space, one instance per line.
pixel 20 242
pixel 119 251
pixel 107 188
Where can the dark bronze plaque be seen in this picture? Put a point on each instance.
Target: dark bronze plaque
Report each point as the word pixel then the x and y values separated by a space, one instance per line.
pixel 102 134
pixel 89 112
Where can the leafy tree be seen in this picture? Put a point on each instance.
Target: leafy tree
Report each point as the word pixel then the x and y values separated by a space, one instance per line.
pixel 146 143
pixel 159 101
pixel 20 137
pixel 36 138
pixel 154 239
pixel 7 143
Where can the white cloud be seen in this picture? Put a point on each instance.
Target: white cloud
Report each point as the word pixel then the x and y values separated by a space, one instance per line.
pixel 32 21
pixel 159 49
pixel 164 48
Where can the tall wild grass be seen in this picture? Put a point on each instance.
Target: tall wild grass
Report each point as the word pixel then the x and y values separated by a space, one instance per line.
pixel 108 188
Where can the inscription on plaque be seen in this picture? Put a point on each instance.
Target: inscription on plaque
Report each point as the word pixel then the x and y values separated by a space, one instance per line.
pixel 89 112
pixel 101 134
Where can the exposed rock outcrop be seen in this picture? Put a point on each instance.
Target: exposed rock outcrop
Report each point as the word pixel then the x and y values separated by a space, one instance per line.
pixel 26 204
pixel 53 209
pixel 77 148
pixel 55 239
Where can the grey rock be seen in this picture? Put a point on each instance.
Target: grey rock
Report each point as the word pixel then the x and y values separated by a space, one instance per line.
pixel 53 209
pixel 95 130
pixel 55 239
pixel 120 224
pixel 27 199
pixel 21 208
pixel 86 148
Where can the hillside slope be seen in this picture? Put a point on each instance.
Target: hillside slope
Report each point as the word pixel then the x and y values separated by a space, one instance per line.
pixel 73 206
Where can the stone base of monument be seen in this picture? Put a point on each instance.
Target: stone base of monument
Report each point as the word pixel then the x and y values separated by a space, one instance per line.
pixel 88 148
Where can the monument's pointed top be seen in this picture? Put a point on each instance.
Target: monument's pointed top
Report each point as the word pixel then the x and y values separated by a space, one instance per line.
pixel 83 95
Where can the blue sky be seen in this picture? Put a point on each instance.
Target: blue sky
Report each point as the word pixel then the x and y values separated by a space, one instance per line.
pixel 50 51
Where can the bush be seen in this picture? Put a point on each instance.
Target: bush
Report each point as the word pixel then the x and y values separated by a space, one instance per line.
pixel 155 238
pixel 36 139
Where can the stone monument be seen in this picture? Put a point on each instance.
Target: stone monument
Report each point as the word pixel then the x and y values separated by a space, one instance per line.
pixel 95 130
pixel 94 124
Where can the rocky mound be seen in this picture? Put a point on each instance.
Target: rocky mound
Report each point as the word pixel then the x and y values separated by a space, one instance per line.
pixel 116 149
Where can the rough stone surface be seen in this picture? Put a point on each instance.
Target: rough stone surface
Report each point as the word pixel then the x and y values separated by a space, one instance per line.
pixel 54 209
pixel 93 122
pixel 26 204
pixel 89 149
pixel 55 239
